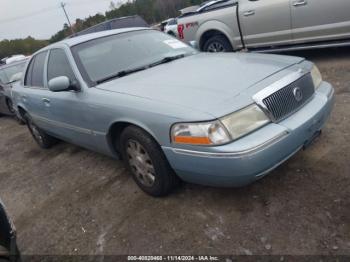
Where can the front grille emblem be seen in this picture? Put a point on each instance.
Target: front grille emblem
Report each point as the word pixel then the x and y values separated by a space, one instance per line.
pixel 298 94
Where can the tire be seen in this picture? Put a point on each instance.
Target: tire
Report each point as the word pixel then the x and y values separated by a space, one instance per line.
pixel 19 120
pixel 171 33
pixel 217 44
pixel 9 105
pixel 147 163
pixel 44 140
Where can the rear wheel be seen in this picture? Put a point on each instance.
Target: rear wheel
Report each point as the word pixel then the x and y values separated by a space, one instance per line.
pixel 217 44
pixel 10 106
pixel 147 162
pixel 43 140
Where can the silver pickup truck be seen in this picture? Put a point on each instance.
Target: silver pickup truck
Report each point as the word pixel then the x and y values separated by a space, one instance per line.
pixel 267 25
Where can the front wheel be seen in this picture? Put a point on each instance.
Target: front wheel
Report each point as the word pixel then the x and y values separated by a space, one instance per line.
pixel 147 162
pixel 43 140
pixel 217 44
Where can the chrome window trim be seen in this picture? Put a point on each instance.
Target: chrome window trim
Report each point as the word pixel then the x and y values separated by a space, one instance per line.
pixel 238 154
pixel 274 87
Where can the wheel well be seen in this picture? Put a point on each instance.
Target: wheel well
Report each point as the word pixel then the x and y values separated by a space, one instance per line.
pixel 22 112
pixel 115 132
pixel 207 35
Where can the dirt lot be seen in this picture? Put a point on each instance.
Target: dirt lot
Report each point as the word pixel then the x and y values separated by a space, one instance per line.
pixel 71 201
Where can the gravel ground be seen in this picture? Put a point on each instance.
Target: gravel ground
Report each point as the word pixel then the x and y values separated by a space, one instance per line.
pixel 71 201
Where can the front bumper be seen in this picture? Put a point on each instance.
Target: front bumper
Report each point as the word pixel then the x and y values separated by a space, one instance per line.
pixel 253 156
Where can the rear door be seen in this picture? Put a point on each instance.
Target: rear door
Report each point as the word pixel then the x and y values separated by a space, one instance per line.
pixel 33 95
pixel 319 20
pixel 265 22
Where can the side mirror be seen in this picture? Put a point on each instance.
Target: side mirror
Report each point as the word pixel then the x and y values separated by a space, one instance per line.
pixel 61 83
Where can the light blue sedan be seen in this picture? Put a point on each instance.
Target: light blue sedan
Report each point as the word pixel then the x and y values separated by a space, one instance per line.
pixel 171 112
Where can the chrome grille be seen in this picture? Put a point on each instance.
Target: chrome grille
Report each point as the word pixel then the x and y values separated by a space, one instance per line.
pixel 285 101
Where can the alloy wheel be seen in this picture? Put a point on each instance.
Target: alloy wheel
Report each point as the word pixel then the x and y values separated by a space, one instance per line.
pixel 140 163
pixel 216 47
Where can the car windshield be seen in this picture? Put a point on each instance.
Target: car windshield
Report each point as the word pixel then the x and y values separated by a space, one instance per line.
pixel 7 73
pixel 118 55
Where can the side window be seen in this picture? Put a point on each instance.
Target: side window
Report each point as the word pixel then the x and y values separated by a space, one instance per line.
pixel 28 77
pixel 38 70
pixel 35 72
pixel 58 65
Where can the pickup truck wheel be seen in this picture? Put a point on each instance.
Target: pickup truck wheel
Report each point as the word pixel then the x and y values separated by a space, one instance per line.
pixel 44 140
pixel 147 163
pixel 217 43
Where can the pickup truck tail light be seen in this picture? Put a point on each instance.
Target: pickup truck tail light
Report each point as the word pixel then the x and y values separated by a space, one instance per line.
pixel 180 30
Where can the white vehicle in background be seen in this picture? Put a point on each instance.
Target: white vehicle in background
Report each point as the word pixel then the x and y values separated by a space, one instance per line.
pixel 171 27
pixel 12 59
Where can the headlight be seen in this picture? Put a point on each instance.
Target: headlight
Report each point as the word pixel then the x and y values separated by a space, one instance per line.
pixel 206 134
pixel 316 76
pixel 221 131
pixel 245 121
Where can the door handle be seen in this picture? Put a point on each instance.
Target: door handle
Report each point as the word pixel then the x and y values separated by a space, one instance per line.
pixel 300 3
pixel 249 13
pixel 46 100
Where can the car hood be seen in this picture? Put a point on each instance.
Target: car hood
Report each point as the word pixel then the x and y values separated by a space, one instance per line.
pixel 202 82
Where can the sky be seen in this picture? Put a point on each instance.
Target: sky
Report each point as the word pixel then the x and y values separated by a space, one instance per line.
pixel 43 18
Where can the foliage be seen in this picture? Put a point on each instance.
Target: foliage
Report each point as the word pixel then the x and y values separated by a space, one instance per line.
pixel 152 11
pixel 21 46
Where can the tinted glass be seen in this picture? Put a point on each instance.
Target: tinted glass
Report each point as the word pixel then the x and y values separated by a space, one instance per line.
pixel 103 57
pixel 58 65
pixel 38 70
pixel 28 77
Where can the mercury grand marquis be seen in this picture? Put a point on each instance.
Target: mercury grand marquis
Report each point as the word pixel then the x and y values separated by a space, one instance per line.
pixel 170 112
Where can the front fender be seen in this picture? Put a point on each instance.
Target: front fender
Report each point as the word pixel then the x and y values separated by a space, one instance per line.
pixel 17 106
pixel 135 123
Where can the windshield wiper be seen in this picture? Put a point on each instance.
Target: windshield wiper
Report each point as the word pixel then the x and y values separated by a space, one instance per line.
pixel 137 69
pixel 121 74
pixel 167 59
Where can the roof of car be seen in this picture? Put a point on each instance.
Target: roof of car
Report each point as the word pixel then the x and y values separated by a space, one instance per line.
pixel 85 38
